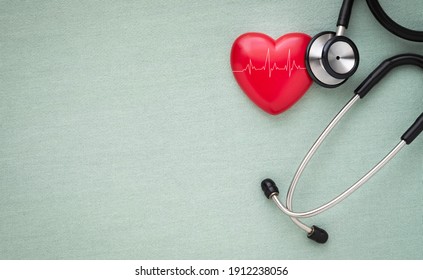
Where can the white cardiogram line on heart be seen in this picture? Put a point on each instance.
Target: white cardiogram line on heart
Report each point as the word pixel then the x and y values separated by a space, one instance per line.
pixel 289 66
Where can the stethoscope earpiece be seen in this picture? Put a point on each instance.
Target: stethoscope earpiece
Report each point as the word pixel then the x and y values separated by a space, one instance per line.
pixel 270 190
pixel 318 234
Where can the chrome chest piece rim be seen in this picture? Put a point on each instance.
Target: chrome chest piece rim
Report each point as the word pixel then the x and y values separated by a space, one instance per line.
pixel 314 62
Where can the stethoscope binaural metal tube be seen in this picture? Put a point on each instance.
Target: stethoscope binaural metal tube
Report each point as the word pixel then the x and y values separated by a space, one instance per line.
pixel 344 194
pixel 310 154
pixel 294 215
pixel 270 189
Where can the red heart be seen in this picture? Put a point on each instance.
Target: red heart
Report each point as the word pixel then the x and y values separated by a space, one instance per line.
pixel 271 72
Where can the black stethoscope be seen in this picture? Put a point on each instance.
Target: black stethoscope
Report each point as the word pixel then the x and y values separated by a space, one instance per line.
pixel 331 59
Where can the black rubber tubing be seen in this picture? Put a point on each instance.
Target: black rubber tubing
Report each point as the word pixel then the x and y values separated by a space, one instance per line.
pixel 380 72
pixel 383 69
pixel 392 26
pixel 414 130
pixel 345 13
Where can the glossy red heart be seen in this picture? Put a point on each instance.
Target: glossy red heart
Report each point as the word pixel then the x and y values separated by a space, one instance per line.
pixel 271 72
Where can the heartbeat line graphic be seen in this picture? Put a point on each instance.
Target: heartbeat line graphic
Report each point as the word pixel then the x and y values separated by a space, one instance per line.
pixel 289 66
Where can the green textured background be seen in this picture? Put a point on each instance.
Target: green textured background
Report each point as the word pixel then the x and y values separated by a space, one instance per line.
pixel 123 135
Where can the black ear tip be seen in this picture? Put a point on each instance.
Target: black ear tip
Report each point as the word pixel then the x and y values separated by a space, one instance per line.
pixel 319 235
pixel 267 182
pixel 269 187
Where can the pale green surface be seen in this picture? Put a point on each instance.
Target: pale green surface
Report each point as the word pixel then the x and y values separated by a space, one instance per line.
pixel 124 135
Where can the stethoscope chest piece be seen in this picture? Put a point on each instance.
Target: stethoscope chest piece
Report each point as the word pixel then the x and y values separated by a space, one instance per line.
pixel 331 59
pixel 314 62
pixel 340 57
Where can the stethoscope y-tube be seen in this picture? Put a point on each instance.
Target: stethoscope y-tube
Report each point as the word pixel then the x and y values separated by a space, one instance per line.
pixel 271 190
